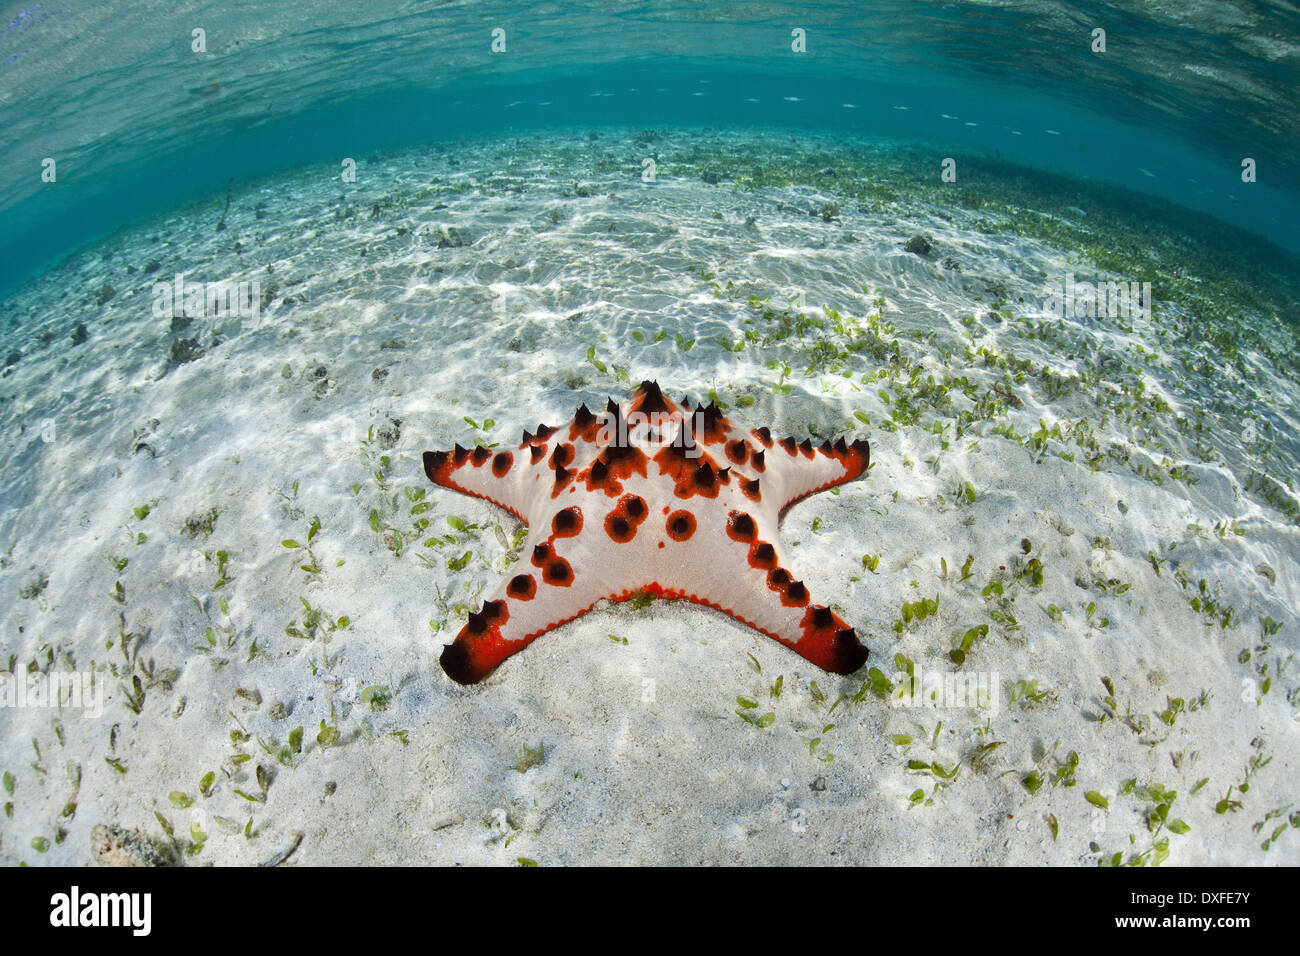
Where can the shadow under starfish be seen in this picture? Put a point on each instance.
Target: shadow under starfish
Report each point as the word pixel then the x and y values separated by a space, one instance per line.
pixel 649 497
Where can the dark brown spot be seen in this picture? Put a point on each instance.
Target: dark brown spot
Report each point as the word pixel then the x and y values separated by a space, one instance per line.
pixel 634 507
pixel 788 444
pixel 738 451
pixel 501 463
pixel 750 489
pixel 822 617
pixel 619 528
pixel 537 453
pixel 562 455
pixel 480 455
pixel 778 578
pixel 558 572
pixel 704 478
pixel 567 522
pixel 458 665
pixel 762 555
pixel 757 461
pixel 796 595
pixel 562 478
pixel 849 653
pixel 541 554
pixel 522 587
pixel 764 435
pixel 681 525
pixel 708 425
pixel 616 423
pixel 740 527
pixel 652 400
pixel 433 463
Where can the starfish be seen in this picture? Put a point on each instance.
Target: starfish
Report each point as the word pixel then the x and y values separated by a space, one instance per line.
pixel 649 497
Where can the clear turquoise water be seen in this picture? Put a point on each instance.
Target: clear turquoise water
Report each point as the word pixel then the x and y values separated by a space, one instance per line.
pixel 138 122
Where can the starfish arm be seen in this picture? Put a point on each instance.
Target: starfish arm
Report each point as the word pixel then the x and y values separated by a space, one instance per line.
pixel 524 609
pixel 787 470
pixel 796 470
pixel 523 479
pixel 571 566
pixel 504 478
pixel 745 577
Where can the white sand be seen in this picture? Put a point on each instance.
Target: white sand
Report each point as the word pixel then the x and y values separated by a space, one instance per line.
pixel 645 759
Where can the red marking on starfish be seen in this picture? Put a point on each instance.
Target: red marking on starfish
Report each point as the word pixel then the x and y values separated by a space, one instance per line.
pixel 740 527
pixel 708 425
pixel 762 555
pixel 778 579
pixel 522 587
pixel 585 427
pixel 634 507
pixel 622 522
pixel 567 523
pixel 680 525
pixel 562 477
pixel 619 528
pixel 614 465
pixel 558 572
pixel 562 454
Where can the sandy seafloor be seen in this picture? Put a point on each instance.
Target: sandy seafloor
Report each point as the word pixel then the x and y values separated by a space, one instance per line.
pixel 473 280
